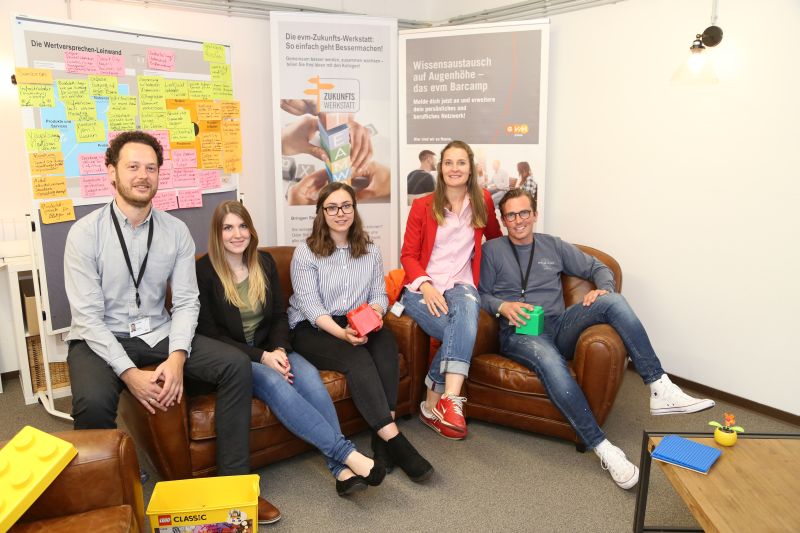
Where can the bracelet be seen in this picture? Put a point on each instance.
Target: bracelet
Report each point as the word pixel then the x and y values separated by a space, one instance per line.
pixel 497 314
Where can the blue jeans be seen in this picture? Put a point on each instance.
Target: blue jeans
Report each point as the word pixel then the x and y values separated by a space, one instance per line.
pixel 304 408
pixel 545 355
pixel 456 330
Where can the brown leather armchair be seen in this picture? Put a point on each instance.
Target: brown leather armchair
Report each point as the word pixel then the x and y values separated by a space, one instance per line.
pixel 504 392
pixel 98 491
pixel 181 442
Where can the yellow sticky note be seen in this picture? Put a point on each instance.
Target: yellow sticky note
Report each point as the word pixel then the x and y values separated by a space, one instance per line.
pixel 46 163
pixel 103 85
pixel 199 90
pixel 121 122
pixel 220 72
pixel 81 109
pixel 60 211
pixel 207 110
pixel 69 89
pixel 153 119
pixel 90 131
pixel 182 134
pixel 34 75
pixel 49 187
pixel 214 53
pixel 148 104
pixel 232 163
pixel 230 109
pixel 221 90
pixel 38 140
pixel 176 89
pixel 122 104
pixel 150 86
pixel 36 95
pixel 178 118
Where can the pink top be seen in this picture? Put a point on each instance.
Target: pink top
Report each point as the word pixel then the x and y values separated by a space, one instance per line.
pixel 451 258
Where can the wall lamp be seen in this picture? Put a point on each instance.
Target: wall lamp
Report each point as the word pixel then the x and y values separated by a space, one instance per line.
pixel 697 69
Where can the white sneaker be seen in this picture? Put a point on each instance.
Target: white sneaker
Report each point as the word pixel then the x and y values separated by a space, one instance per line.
pixel 623 472
pixel 666 398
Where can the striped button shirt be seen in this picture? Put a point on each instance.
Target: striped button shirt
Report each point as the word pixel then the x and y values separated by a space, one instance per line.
pixel 336 284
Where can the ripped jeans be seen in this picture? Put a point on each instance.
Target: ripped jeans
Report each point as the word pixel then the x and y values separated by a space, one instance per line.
pixel 456 330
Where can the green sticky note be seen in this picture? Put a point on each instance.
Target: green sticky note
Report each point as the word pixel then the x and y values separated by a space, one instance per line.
pixel 150 87
pixel 81 109
pixel 178 118
pixel 153 119
pixel 221 90
pixel 103 85
pixel 31 95
pixel 90 131
pixel 41 140
pixel 122 105
pixel 535 324
pixel 176 89
pixel 121 122
pixel 214 53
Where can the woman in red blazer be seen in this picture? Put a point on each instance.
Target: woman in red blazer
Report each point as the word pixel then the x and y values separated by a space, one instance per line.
pixel 441 256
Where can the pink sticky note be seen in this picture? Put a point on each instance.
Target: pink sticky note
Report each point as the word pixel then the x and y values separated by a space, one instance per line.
pixel 110 64
pixel 81 62
pixel 91 164
pixel 165 175
pixel 190 198
pixel 96 185
pixel 185 158
pixel 209 179
pixel 158 59
pixel 113 135
pixel 162 136
pixel 165 200
pixel 184 177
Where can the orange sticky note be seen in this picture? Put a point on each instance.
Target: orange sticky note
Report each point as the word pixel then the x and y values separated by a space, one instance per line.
pixel 54 212
pixel 34 75
pixel 46 163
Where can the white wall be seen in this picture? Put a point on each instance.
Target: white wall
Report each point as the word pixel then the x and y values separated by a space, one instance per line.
pixel 689 188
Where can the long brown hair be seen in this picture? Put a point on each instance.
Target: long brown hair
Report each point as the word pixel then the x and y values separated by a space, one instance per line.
pixel 320 240
pixel 216 253
pixel 474 191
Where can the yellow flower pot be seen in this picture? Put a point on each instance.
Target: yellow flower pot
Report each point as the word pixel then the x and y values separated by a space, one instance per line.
pixel 724 438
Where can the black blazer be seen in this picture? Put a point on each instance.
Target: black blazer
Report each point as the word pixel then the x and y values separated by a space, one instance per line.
pixel 221 320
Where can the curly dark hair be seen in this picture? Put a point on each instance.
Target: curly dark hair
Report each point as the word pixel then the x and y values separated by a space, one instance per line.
pixel 115 146
pixel 320 241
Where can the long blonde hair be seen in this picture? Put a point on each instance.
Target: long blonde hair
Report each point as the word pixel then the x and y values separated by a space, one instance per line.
pixel 216 253
pixel 474 191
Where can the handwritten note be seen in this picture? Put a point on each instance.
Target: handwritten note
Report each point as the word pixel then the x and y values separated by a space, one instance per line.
pixel 33 75
pixel 162 136
pixel 150 86
pixel 221 90
pixel 94 186
pixel 176 89
pixel 46 163
pixel 68 89
pixel 232 164
pixel 81 109
pixel 184 177
pixel 165 200
pixel 90 131
pixel 36 95
pixel 91 163
pixel 182 134
pixel 210 159
pixel 200 90
pixel 214 53
pixel 49 187
pixel 39 140
pixel 121 104
pixel 110 64
pixel 190 198
pixel 153 120
pixel 165 174
pixel 78 62
pixel 230 109
pixel 54 212
pixel 184 158
pixel 158 59
pixel 220 72
pixel 121 122
pixel 209 179
pixel 207 110
pixel 103 85
pixel 178 118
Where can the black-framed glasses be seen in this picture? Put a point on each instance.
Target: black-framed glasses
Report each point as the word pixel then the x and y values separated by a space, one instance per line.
pixel 511 215
pixel 333 209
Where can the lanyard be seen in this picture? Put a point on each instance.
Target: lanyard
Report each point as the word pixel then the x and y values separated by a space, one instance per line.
pixel 136 281
pixel 523 278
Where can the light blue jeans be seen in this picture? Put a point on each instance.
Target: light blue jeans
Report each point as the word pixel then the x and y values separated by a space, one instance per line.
pixel 547 355
pixel 456 330
pixel 304 408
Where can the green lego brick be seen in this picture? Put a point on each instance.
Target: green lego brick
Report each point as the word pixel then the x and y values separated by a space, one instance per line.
pixel 535 324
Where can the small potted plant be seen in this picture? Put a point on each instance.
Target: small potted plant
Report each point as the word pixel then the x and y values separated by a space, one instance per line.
pixel 726 434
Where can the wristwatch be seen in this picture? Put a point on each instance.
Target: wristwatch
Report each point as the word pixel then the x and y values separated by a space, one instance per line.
pixel 497 314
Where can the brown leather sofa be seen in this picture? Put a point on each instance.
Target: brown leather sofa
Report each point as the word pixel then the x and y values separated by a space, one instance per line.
pixel 504 392
pixel 98 491
pixel 181 442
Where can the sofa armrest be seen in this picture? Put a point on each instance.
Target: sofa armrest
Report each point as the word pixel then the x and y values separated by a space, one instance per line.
pixel 414 344
pixel 599 365
pixel 104 473
pixel 487 340
pixel 164 436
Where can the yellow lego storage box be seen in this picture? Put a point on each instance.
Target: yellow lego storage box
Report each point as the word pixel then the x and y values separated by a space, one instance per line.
pixel 225 504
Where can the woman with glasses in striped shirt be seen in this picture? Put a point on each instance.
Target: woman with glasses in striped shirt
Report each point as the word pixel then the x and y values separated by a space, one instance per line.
pixel 337 269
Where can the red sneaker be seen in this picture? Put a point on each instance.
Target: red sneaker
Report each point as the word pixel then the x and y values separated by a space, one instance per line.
pixel 434 423
pixel 450 412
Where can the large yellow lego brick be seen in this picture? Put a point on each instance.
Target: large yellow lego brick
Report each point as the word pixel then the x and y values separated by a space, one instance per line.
pixel 28 464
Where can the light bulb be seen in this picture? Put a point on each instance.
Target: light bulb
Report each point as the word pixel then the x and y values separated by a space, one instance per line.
pixel 696 60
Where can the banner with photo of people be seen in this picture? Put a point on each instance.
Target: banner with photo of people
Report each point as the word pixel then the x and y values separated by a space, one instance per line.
pixel 334 86
pixel 486 85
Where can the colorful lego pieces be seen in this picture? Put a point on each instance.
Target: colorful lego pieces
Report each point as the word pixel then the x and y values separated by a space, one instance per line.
pixel 535 324
pixel 28 464
pixel 334 136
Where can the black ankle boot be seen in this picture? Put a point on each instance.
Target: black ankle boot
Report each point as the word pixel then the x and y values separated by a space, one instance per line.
pixel 408 458
pixel 380 453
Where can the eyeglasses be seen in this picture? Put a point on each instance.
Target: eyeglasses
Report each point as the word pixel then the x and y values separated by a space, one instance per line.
pixel 333 209
pixel 511 215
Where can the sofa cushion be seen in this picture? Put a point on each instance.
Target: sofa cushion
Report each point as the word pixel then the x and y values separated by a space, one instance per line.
pixel 201 408
pixel 496 371
pixel 105 520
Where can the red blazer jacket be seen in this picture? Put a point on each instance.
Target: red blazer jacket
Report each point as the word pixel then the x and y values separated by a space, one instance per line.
pixel 420 236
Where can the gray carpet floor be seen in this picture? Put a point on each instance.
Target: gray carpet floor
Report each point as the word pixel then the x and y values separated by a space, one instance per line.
pixel 498 479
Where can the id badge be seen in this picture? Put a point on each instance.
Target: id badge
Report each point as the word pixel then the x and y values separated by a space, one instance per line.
pixel 397 309
pixel 140 326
